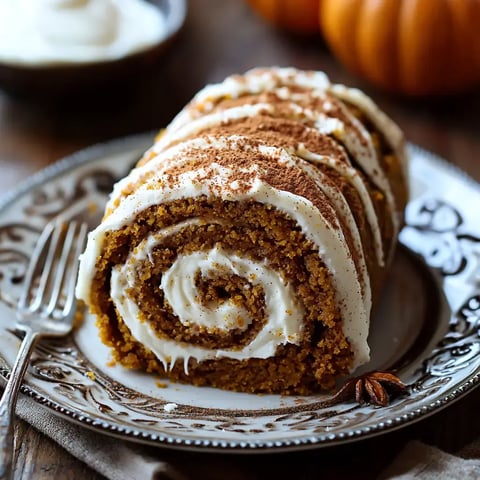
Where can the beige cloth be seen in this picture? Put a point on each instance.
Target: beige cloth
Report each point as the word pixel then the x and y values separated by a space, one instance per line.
pixel 423 462
pixel 113 458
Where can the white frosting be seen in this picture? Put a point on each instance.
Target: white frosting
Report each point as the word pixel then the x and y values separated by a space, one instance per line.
pixel 343 210
pixel 43 32
pixel 350 174
pixel 211 120
pixel 284 312
pixel 170 407
pixel 254 81
pixel 382 122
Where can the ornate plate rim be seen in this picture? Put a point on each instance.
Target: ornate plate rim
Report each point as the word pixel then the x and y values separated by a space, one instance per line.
pixel 94 152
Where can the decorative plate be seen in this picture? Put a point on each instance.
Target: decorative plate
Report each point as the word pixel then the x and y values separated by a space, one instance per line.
pixel 426 327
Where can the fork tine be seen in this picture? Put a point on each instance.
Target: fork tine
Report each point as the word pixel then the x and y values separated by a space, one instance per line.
pixel 61 266
pixel 72 278
pixel 56 232
pixel 33 265
pixel 53 257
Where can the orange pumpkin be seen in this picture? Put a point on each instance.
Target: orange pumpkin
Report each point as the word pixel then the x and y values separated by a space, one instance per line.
pixel 299 16
pixel 411 46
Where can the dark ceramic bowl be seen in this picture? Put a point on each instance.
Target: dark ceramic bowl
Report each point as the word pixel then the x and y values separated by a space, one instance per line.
pixel 70 80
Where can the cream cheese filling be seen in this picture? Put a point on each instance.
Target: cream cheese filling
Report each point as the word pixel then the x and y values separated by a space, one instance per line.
pixel 283 313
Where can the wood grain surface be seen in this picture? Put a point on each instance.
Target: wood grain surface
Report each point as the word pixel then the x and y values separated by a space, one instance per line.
pixel 222 37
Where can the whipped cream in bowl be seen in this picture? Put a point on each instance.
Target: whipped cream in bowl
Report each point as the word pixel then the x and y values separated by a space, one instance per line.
pixel 85 41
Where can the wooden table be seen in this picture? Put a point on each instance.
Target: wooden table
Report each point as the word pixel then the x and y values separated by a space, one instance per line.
pixel 219 38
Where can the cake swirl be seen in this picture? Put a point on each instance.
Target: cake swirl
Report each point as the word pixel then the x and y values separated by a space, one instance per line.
pixel 246 247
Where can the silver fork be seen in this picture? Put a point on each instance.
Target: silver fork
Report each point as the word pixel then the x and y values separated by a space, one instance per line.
pixel 46 308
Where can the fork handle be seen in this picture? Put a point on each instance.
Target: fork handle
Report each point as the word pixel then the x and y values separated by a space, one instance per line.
pixel 8 402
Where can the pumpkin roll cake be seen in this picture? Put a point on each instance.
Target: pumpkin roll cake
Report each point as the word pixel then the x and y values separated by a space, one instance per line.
pixel 246 248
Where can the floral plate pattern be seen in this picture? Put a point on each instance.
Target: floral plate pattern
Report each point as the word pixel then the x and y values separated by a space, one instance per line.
pixel 426 327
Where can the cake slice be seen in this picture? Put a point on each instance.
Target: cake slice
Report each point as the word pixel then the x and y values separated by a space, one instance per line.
pixel 246 248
